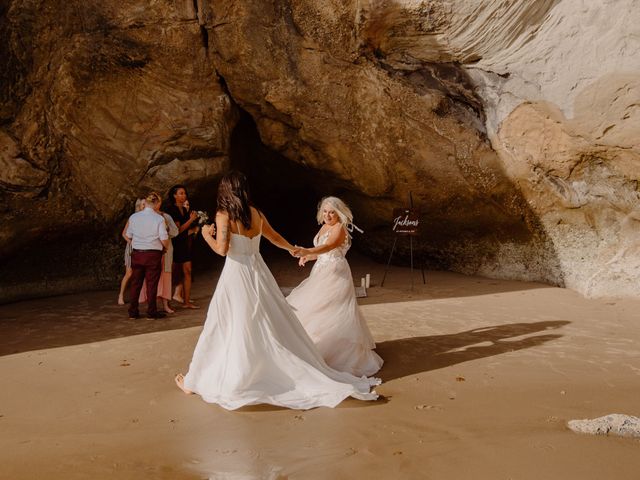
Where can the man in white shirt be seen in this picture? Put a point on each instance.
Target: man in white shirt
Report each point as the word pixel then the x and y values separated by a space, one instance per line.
pixel 149 238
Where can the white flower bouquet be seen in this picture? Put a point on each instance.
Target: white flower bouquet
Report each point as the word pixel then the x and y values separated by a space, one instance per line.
pixel 203 217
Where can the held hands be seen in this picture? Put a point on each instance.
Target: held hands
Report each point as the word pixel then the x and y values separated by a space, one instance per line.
pixel 303 260
pixel 300 252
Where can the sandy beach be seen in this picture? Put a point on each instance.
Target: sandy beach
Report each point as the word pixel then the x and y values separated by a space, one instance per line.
pixel 480 379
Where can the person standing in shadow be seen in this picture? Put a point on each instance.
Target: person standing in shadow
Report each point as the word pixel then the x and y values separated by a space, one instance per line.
pixel 185 220
pixel 127 255
pixel 149 239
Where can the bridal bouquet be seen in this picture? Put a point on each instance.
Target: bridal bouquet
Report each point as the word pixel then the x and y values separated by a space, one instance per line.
pixel 202 217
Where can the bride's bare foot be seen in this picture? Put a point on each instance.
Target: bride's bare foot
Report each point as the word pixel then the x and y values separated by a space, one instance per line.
pixel 180 383
pixel 169 310
pixel 190 305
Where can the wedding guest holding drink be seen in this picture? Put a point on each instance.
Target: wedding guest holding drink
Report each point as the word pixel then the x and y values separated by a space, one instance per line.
pixel 182 248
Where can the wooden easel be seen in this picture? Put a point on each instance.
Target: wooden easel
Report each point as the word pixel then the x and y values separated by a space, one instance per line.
pixel 410 229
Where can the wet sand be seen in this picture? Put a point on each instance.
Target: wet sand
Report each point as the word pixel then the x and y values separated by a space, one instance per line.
pixel 480 378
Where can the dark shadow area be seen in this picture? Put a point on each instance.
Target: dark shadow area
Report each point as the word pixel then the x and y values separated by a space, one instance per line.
pixel 54 322
pixel 283 190
pixel 60 262
pixel 287 192
pixel 409 356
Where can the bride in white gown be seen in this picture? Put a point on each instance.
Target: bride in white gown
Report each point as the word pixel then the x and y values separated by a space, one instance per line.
pixel 252 348
pixel 325 302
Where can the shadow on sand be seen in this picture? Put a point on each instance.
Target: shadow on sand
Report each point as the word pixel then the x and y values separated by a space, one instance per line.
pixel 409 356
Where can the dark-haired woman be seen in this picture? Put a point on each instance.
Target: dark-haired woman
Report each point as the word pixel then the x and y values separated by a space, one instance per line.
pixel 253 349
pixel 184 220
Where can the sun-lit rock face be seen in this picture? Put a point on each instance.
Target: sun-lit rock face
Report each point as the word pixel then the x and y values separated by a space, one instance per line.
pixel 515 125
pixel 560 88
pixel 318 83
pixel 560 83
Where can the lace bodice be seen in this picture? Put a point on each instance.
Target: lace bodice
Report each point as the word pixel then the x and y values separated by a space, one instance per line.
pixel 337 254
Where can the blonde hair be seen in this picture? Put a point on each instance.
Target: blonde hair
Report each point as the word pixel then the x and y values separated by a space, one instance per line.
pixel 344 212
pixel 140 204
pixel 153 198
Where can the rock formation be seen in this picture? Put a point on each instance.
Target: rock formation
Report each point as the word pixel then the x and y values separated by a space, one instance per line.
pixel 612 424
pixel 518 135
pixel 100 102
pixel 515 125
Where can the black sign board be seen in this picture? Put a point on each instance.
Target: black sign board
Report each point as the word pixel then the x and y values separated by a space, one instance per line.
pixel 405 221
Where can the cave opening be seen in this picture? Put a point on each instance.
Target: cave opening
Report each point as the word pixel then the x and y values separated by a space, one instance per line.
pixel 286 191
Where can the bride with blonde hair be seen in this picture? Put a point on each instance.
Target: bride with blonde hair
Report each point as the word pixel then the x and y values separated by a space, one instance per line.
pixel 325 302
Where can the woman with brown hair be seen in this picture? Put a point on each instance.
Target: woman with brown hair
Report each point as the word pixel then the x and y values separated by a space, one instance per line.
pixel 252 348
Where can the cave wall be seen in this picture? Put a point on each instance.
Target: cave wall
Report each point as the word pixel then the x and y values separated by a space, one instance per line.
pixel 514 125
pixel 321 92
pixel 101 102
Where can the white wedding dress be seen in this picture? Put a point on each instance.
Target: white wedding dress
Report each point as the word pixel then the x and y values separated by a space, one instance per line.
pixel 254 350
pixel 326 305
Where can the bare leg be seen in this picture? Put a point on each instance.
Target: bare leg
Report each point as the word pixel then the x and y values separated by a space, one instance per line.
pixel 177 293
pixel 123 285
pixel 180 383
pixel 166 307
pixel 186 268
pixel 176 280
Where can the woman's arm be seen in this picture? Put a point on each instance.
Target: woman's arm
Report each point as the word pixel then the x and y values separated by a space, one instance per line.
pixel 307 258
pixel 219 243
pixel 186 225
pixel 274 237
pixel 172 228
pixel 124 232
pixel 336 238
